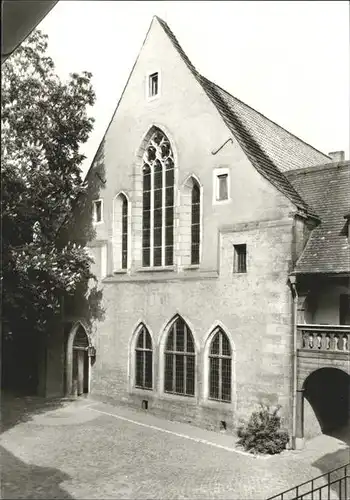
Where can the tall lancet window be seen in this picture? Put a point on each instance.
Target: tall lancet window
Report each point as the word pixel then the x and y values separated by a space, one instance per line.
pixel 220 367
pixel 158 202
pixel 144 360
pixel 195 223
pixel 124 233
pixel 120 231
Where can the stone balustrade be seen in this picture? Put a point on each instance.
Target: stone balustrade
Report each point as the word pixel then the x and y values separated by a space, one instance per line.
pixel 332 338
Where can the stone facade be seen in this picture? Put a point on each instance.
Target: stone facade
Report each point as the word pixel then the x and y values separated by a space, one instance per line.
pixel 254 308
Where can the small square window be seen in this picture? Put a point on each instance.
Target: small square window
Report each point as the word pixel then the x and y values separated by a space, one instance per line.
pixel 240 259
pixel 97 211
pixel 153 85
pixel 222 187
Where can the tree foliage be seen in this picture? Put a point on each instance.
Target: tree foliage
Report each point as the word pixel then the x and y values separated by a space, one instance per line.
pixel 44 122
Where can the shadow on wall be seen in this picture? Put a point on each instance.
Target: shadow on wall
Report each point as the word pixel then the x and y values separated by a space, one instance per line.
pixel 16 409
pixel 328 392
pixel 21 480
pixel 86 303
pixel 19 360
pixel 81 224
pixel 24 353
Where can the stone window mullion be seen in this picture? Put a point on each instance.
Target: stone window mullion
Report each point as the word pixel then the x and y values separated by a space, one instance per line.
pixel 181 348
pixel 151 217
pixel 218 356
pixel 158 160
pixel 143 379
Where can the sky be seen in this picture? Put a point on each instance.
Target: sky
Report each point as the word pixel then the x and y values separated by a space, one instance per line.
pixel 288 60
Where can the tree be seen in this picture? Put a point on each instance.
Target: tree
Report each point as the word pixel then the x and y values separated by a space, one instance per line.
pixel 44 123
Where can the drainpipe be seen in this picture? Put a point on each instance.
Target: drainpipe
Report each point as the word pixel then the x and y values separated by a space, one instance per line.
pixel 292 280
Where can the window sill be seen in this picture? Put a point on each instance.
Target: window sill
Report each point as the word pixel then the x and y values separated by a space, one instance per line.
pixel 155 269
pixel 168 396
pixel 216 404
pixel 138 393
pixel 191 266
pixel 151 98
pixel 120 271
pixel 222 202
pixel 236 273
pixel 141 390
pixel 97 223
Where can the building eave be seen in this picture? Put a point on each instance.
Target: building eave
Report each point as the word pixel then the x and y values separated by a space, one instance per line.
pixel 19 19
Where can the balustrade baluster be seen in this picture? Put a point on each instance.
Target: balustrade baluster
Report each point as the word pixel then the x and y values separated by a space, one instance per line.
pixel 318 341
pixel 342 343
pixel 304 339
pixel 323 341
pixel 332 342
pixel 311 341
pixel 336 342
pixel 328 342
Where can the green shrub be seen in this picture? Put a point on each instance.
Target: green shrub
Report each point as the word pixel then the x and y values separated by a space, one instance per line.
pixel 263 433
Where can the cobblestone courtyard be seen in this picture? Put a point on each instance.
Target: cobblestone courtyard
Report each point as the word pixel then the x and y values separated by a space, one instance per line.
pixel 85 449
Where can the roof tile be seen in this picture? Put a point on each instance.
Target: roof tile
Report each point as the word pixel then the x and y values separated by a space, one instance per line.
pixel 327 189
pixel 271 149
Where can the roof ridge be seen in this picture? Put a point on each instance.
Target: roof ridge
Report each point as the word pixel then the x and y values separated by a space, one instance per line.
pixel 266 118
pixel 316 168
pixel 177 45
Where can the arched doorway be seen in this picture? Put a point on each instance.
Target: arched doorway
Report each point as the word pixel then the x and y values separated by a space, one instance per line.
pixel 328 392
pixel 80 380
pixel 79 357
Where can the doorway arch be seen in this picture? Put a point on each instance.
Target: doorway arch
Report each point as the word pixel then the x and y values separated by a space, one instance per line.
pixel 328 392
pixel 79 356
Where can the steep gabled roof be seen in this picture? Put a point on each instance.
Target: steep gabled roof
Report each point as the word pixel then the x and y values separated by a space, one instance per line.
pixel 271 149
pixel 327 189
pixel 288 151
pixel 263 162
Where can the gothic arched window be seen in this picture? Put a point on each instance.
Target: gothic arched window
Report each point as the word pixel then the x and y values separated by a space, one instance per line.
pixel 220 367
pixel 120 232
pixel 179 373
pixel 124 233
pixel 195 223
pixel 158 202
pixel 144 360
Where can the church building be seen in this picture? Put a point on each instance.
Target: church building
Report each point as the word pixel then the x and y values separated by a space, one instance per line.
pixel 222 251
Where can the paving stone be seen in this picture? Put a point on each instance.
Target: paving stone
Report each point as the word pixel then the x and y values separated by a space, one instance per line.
pixel 74 451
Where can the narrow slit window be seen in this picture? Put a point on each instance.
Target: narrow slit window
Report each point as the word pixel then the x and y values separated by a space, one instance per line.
pixel 97 211
pixel 120 232
pixel 125 233
pixel 222 187
pixel 240 259
pixel 153 85
pixel 195 224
